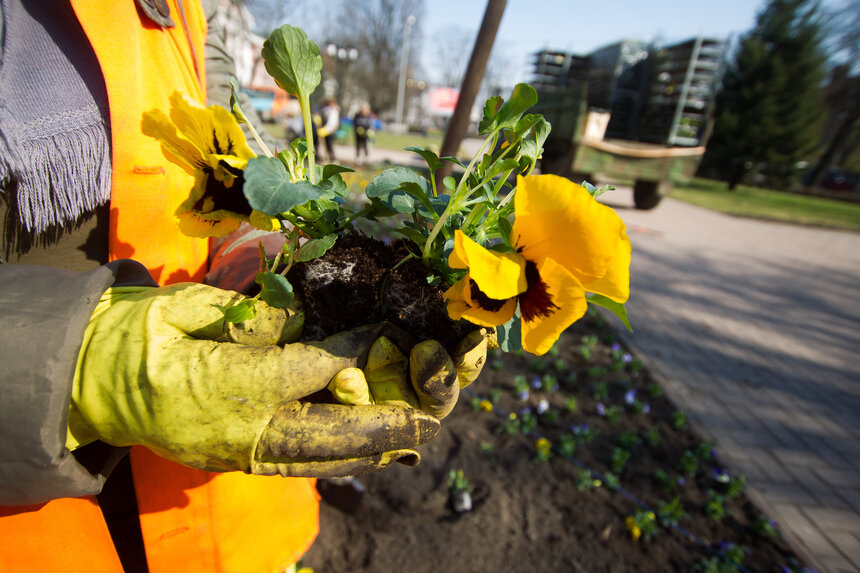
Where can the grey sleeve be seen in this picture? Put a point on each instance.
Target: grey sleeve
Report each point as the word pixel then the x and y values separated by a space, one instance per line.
pixel 45 312
pixel 220 67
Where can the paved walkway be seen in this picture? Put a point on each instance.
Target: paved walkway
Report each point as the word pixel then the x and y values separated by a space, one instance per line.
pixel 755 327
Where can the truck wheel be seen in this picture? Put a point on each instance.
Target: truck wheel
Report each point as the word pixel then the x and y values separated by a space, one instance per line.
pixel 648 194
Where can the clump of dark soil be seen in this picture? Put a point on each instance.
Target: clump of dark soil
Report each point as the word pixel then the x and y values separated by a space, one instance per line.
pixel 532 515
pixel 356 283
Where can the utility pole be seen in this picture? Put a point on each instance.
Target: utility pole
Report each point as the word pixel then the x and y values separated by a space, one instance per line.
pixel 459 121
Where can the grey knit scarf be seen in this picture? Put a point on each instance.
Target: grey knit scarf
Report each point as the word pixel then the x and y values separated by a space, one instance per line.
pixel 54 138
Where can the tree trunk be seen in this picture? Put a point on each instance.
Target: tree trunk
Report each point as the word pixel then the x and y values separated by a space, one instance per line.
pixel 459 121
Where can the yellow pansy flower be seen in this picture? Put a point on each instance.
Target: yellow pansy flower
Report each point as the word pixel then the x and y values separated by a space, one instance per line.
pixel 209 144
pixel 566 244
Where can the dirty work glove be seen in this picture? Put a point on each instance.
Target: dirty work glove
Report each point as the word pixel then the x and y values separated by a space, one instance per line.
pixel 159 368
pixel 430 379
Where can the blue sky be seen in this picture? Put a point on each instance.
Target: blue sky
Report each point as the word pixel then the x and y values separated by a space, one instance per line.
pixel 580 27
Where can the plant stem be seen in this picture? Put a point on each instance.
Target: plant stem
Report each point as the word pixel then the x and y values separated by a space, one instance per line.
pixel 454 203
pixel 309 136
pixel 263 146
pixel 354 216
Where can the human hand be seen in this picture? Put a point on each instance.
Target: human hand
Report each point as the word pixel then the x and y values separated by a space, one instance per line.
pixel 159 367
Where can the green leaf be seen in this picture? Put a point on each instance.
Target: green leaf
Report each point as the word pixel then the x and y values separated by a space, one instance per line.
pixel 413 235
pixel 269 190
pixel 240 312
pixel 501 166
pixel 299 147
pixel 332 169
pixel 597 191
pixel 293 60
pixel 450 183
pixel 419 191
pixel 433 161
pixel 491 109
pixel 523 126
pixel 335 184
pixel 523 97
pixel 394 188
pixel 277 291
pixel 235 108
pixel 390 180
pixel 328 210
pixel 505 230
pixel 452 159
pixel 509 335
pixel 315 248
pixel 615 308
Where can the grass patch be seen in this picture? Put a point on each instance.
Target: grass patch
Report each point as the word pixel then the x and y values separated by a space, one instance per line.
pixel 767 204
pixel 398 141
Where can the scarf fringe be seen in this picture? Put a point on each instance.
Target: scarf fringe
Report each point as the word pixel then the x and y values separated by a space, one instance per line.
pixel 60 177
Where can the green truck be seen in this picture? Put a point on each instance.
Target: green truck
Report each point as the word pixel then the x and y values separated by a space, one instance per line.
pixel 629 113
pixel 577 149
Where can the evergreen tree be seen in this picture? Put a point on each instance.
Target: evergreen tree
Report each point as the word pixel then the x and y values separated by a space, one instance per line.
pixel 770 106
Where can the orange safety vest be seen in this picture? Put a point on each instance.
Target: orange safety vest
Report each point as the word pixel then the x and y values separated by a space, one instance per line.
pixel 191 520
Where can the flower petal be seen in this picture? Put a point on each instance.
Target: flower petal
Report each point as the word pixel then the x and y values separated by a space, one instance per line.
pixel 499 275
pixel 213 128
pixel 615 284
pixel 175 147
pixel 559 219
pixel 195 226
pixel 568 296
pixel 462 305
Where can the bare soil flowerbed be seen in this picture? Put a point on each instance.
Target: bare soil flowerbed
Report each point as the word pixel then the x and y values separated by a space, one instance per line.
pixel 531 515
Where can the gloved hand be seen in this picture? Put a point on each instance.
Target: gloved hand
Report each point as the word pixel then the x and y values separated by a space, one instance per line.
pixel 429 379
pixel 158 367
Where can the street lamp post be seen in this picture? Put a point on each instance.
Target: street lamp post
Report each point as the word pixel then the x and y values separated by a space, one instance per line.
pixel 404 65
pixel 341 57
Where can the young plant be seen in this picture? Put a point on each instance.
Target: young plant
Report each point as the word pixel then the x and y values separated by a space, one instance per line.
pixel 611 480
pixel 729 559
pixel 566 445
pixel 543 450
pixel 679 420
pixel 652 437
pixel 688 465
pixel 585 481
pixel 627 439
pixel 664 480
pixel 671 512
pixel 619 459
pixel 765 527
pixel 715 506
pixel 457 482
pixel 642 523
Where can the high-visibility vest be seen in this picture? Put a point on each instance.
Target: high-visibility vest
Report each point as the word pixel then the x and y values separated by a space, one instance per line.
pixel 191 520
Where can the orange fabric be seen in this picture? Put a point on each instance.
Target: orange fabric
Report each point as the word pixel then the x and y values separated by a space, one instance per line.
pixel 66 535
pixel 221 522
pixel 191 520
pixel 146 189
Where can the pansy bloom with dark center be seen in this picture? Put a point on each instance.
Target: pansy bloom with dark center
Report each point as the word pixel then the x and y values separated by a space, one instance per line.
pixel 566 244
pixel 209 144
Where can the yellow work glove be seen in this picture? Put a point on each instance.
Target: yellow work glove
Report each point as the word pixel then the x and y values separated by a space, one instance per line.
pixel 322 132
pixel 160 368
pixel 429 379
